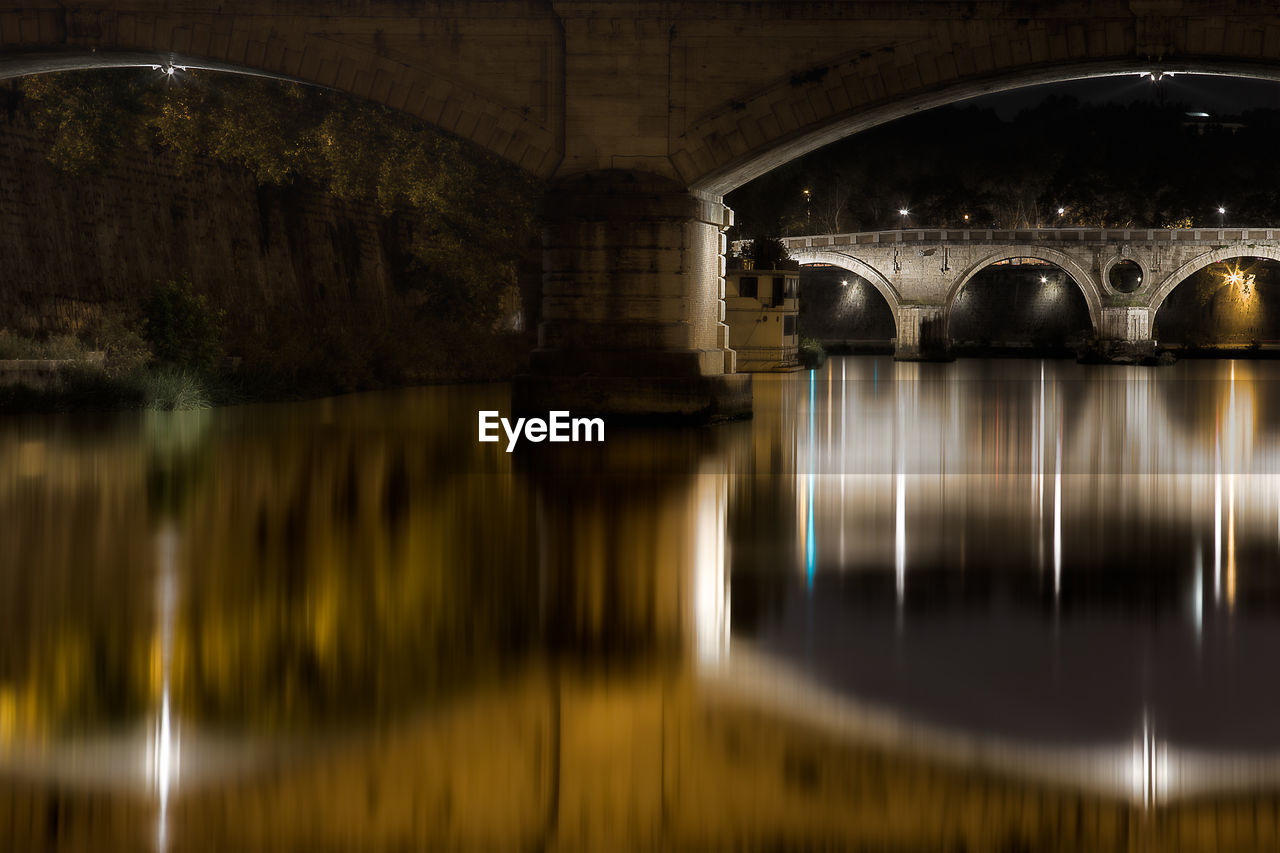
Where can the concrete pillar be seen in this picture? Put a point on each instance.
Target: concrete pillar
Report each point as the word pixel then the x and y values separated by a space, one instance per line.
pixel 1124 336
pixel 922 334
pixel 1126 323
pixel 633 303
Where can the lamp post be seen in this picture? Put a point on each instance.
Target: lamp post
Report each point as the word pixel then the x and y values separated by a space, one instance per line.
pixel 808 218
pixel 902 217
pixel 1222 216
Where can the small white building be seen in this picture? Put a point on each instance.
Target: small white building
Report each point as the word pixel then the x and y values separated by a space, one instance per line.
pixel 762 311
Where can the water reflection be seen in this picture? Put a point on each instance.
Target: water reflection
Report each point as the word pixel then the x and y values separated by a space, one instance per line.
pixel 348 622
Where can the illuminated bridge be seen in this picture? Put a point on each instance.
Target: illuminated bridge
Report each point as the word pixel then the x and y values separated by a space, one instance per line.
pixel 641 116
pixel 1125 274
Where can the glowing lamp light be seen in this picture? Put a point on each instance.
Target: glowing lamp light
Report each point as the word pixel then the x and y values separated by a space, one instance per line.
pixel 844 283
pixel 902 211
pixel 1061 210
pixel 1044 279
pixel 1235 277
pixel 1222 210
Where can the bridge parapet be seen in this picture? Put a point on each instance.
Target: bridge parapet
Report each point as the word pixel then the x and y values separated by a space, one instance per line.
pixel 1077 236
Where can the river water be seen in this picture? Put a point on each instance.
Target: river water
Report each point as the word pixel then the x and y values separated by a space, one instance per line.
pixel 346 623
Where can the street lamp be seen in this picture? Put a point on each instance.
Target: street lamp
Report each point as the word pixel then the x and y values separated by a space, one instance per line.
pixel 1222 213
pixel 808 219
pixel 902 221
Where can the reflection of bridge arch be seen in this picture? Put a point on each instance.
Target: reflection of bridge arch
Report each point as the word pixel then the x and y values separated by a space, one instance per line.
pixel 1198 263
pixel 857 267
pixel 1083 280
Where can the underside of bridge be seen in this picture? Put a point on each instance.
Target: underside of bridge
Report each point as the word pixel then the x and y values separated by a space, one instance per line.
pixel 1020 307
pixel 844 311
pixel 1229 305
pixel 641 116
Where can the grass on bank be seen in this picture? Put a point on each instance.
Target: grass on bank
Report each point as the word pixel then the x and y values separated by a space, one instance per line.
pixel 166 388
pixel 290 361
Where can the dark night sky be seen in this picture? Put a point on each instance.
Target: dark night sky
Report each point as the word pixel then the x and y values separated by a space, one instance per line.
pixel 1214 94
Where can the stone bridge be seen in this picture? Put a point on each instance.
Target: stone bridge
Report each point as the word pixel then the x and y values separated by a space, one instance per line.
pixel 641 115
pixel 921 272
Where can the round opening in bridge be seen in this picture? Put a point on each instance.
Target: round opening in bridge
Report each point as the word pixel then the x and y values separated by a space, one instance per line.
pixel 1125 276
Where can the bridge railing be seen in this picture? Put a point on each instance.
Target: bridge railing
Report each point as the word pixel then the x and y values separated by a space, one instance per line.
pixel 1215 236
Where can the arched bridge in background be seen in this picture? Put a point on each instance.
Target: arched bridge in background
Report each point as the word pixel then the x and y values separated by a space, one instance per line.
pixel 920 272
pixel 641 116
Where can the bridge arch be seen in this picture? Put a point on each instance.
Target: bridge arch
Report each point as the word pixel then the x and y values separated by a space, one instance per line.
pixel 855 266
pixel 1199 262
pixel 409 64
pixel 1083 279
pixel 852 90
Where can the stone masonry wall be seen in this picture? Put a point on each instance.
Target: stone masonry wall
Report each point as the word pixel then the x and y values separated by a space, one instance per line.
pixel 74 245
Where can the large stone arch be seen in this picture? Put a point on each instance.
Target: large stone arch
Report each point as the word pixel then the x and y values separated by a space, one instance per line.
pixel 562 89
pixel 1199 262
pixel 385 53
pixel 842 90
pixel 855 266
pixel 1084 280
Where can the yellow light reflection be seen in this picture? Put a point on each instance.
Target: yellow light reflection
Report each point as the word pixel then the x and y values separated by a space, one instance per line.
pixel 1241 278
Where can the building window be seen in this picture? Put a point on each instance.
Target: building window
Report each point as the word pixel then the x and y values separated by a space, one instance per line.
pixel 789 325
pixel 778 291
pixel 792 284
pixel 747 286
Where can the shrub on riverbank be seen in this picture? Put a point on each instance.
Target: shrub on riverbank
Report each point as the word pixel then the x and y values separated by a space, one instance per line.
pixel 181 327
pixel 812 353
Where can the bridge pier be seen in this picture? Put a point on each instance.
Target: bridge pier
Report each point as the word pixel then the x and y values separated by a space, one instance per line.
pixel 1124 336
pixel 633 303
pixel 922 334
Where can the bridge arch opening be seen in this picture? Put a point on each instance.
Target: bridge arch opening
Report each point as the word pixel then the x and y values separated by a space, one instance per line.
pixel 1018 304
pixel 844 311
pixel 723 168
pixel 1228 303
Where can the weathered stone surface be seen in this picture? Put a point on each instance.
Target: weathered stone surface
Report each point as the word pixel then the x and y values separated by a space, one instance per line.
pixel 632 302
pixel 73 246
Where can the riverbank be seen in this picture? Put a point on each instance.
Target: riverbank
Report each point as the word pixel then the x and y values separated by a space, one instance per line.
pixel 67 385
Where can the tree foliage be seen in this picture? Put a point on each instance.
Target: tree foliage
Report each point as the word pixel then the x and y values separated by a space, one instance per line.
pixel 181 327
pixel 472 214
